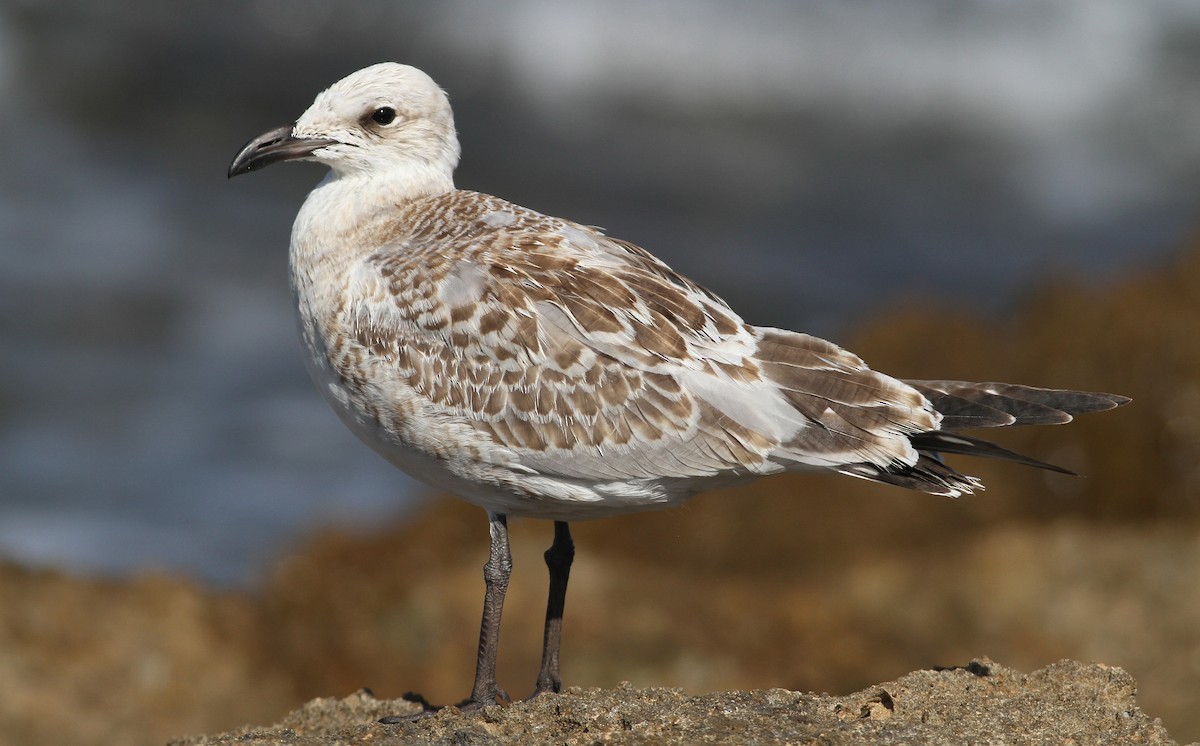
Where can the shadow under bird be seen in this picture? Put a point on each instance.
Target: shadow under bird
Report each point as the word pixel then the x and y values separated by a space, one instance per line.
pixel 537 367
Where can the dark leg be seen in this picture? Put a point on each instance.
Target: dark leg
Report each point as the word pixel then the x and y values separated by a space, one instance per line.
pixel 495 576
pixel 558 560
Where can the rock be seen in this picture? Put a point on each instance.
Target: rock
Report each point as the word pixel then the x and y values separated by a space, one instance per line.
pixel 95 662
pixel 1065 703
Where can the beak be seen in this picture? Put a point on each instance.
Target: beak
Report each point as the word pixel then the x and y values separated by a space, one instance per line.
pixel 270 147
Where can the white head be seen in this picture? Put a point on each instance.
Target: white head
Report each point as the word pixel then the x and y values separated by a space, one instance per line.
pixel 384 120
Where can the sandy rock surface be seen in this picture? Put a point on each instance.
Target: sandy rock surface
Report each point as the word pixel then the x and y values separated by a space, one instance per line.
pixel 1067 702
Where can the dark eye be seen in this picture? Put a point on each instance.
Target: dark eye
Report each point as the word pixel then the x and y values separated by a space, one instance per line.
pixel 383 115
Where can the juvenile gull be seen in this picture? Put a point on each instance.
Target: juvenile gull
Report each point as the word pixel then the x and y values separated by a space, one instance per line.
pixel 537 367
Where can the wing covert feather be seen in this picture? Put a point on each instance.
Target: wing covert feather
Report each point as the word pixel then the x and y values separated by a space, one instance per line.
pixel 588 357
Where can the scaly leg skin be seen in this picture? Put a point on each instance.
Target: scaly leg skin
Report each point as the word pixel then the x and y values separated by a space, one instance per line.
pixel 558 560
pixel 495 575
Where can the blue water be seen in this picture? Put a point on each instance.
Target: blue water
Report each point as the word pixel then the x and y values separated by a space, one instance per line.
pixel 812 163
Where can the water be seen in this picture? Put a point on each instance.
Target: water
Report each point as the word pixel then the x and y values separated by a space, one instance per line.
pixel 812 163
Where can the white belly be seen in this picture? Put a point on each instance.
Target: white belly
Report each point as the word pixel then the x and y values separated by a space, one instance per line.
pixel 453 456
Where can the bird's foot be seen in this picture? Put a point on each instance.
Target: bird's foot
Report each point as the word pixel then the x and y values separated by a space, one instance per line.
pixel 429 710
pixel 545 687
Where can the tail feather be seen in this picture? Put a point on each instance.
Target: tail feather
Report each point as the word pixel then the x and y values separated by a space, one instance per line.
pixel 929 474
pixel 938 442
pixel 966 405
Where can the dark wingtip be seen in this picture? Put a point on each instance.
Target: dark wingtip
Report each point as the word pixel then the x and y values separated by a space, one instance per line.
pixel 1118 400
pixel 1085 402
pixel 969 405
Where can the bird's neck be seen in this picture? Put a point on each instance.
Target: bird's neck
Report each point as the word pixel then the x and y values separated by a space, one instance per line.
pixel 346 205
pixel 347 217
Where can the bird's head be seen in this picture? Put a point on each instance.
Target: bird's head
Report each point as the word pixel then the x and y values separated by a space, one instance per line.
pixel 384 119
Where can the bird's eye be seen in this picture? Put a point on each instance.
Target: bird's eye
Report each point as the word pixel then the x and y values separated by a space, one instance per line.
pixel 383 115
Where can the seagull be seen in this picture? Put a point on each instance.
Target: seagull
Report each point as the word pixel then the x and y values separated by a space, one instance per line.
pixel 538 367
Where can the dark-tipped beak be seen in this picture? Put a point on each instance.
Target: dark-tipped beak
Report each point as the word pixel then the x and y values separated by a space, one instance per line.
pixel 271 147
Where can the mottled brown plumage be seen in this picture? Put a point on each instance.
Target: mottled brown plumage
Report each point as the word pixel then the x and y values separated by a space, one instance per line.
pixel 537 367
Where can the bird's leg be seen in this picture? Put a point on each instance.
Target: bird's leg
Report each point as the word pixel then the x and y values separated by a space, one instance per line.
pixel 558 560
pixel 495 575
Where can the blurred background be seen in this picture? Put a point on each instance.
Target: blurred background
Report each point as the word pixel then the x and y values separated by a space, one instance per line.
pixel 971 189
